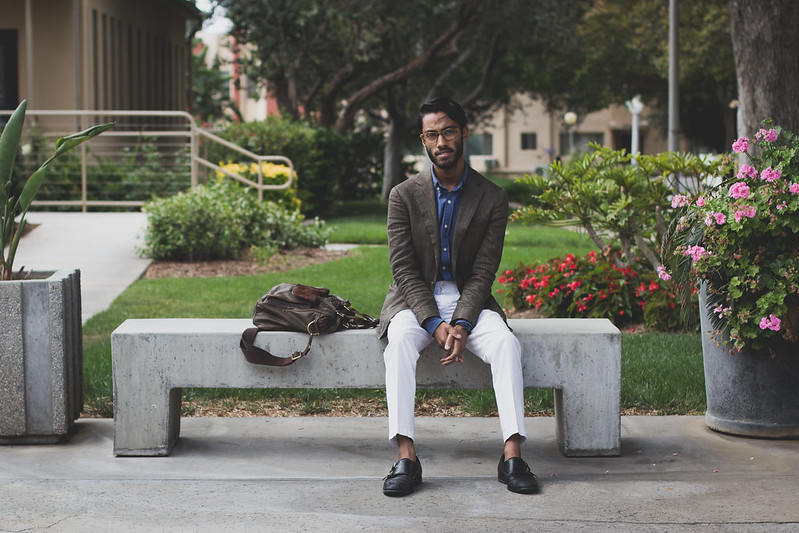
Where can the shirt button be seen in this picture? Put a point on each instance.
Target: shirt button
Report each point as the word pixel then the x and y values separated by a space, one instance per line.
pixel 445 249
pixel 445 226
pixel 449 201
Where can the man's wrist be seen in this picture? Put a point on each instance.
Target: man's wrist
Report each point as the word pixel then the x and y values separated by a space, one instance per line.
pixel 431 324
pixel 465 324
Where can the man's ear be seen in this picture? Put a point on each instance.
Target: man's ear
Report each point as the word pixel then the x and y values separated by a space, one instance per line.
pixel 465 133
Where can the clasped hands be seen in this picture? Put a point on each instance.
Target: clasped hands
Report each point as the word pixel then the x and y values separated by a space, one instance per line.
pixel 453 340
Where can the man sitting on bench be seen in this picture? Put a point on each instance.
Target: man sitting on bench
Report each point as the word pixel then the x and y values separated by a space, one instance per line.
pixel 446 228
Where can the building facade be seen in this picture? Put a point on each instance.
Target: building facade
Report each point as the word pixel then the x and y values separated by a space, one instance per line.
pixel 524 136
pixel 96 54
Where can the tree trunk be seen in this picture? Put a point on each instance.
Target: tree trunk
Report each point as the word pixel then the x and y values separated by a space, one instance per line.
pixel 392 157
pixel 765 41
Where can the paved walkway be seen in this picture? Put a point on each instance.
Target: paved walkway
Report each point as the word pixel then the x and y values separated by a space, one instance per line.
pixel 104 246
pixel 324 474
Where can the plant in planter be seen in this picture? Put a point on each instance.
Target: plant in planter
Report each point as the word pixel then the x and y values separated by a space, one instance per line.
pixel 40 335
pixel 10 207
pixel 740 241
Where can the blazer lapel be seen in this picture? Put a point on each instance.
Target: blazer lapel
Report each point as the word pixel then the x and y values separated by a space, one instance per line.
pixel 425 196
pixel 470 200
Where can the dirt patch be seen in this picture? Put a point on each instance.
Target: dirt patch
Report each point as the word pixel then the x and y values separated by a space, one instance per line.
pixel 280 262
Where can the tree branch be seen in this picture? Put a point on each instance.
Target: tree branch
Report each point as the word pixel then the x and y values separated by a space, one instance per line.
pixel 460 60
pixel 594 235
pixel 327 105
pixel 647 251
pixel 434 51
pixel 493 54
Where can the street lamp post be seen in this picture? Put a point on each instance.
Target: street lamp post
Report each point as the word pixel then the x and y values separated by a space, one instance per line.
pixel 570 118
pixel 635 107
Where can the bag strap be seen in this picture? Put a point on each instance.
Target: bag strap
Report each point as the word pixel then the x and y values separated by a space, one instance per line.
pixel 259 356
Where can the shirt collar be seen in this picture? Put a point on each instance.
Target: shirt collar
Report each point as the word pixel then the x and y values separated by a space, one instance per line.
pixel 438 185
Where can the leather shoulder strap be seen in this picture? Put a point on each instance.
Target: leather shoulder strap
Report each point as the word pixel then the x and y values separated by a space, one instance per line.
pixel 259 356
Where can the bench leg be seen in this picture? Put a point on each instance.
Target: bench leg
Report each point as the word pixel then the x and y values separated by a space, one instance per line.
pixel 146 423
pixel 588 426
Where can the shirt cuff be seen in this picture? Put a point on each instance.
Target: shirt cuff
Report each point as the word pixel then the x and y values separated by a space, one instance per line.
pixel 431 324
pixel 465 324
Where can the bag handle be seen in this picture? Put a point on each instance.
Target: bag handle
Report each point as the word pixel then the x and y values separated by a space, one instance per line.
pixel 259 356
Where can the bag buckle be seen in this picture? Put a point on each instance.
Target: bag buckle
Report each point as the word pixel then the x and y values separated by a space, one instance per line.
pixel 312 323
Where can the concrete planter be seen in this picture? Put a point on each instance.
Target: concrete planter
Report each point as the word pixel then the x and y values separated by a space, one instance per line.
pixel 750 394
pixel 41 357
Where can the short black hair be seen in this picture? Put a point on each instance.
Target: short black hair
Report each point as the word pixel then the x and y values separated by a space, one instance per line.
pixel 442 104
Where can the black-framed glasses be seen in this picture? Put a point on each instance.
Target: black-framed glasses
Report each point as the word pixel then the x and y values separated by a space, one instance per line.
pixel 431 136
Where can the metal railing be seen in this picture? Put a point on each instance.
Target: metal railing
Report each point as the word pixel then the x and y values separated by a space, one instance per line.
pixel 166 146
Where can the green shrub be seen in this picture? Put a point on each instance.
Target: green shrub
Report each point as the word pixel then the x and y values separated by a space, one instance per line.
pixel 218 220
pixel 330 166
pixel 520 191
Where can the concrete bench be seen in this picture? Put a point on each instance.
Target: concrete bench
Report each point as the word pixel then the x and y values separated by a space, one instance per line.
pixel 154 358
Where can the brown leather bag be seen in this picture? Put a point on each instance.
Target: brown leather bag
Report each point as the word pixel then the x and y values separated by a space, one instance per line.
pixel 295 307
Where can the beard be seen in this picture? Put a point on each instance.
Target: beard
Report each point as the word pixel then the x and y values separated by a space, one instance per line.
pixel 451 162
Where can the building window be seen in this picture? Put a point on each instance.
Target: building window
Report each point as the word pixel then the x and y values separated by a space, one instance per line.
pixel 480 144
pixel 529 141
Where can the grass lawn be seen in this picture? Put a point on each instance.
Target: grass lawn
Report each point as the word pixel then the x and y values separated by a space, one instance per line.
pixel 660 372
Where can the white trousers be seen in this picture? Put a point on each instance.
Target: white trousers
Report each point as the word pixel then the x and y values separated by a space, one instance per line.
pixel 490 340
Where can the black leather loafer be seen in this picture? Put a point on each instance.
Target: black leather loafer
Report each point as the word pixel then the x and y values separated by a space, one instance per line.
pixel 404 476
pixel 517 476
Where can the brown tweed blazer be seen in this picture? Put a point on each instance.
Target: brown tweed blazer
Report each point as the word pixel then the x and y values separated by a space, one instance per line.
pixel 415 249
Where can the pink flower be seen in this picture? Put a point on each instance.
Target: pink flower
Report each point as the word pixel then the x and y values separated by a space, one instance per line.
pixel 662 274
pixel 721 218
pixel 680 200
pixel 709 219
pixel 772 323
pixel 747 211
pixel 741 145
pixel 768 135
pixel 770 174
pixel 739 190
pixel 747 170
pixel 794 188
pixel 700 201
pixel 782 206
pixel 696 252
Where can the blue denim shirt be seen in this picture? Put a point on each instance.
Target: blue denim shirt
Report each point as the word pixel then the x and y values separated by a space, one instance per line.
pixel 448 203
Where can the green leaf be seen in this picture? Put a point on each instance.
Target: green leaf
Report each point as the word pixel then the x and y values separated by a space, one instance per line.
pixel 63 144
pixel 9 142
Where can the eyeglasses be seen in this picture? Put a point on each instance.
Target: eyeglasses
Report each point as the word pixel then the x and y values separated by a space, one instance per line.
pixel 431 136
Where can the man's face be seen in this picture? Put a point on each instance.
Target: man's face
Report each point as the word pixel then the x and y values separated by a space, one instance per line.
pixel 444 153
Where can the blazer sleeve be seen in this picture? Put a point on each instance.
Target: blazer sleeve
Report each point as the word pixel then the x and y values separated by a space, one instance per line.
pixel 476 289
pixel 406 266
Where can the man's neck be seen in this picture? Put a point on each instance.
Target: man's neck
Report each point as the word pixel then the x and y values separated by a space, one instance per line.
pixel 450 177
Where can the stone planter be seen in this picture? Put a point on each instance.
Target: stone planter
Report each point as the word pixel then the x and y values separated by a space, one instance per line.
pixel 41 357
pixel 748 393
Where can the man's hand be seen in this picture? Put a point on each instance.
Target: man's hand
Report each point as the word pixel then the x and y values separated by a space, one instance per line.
pixel 453 340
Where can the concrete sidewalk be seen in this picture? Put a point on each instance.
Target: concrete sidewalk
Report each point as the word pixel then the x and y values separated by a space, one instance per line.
pixel 104 246
pixel 324 474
